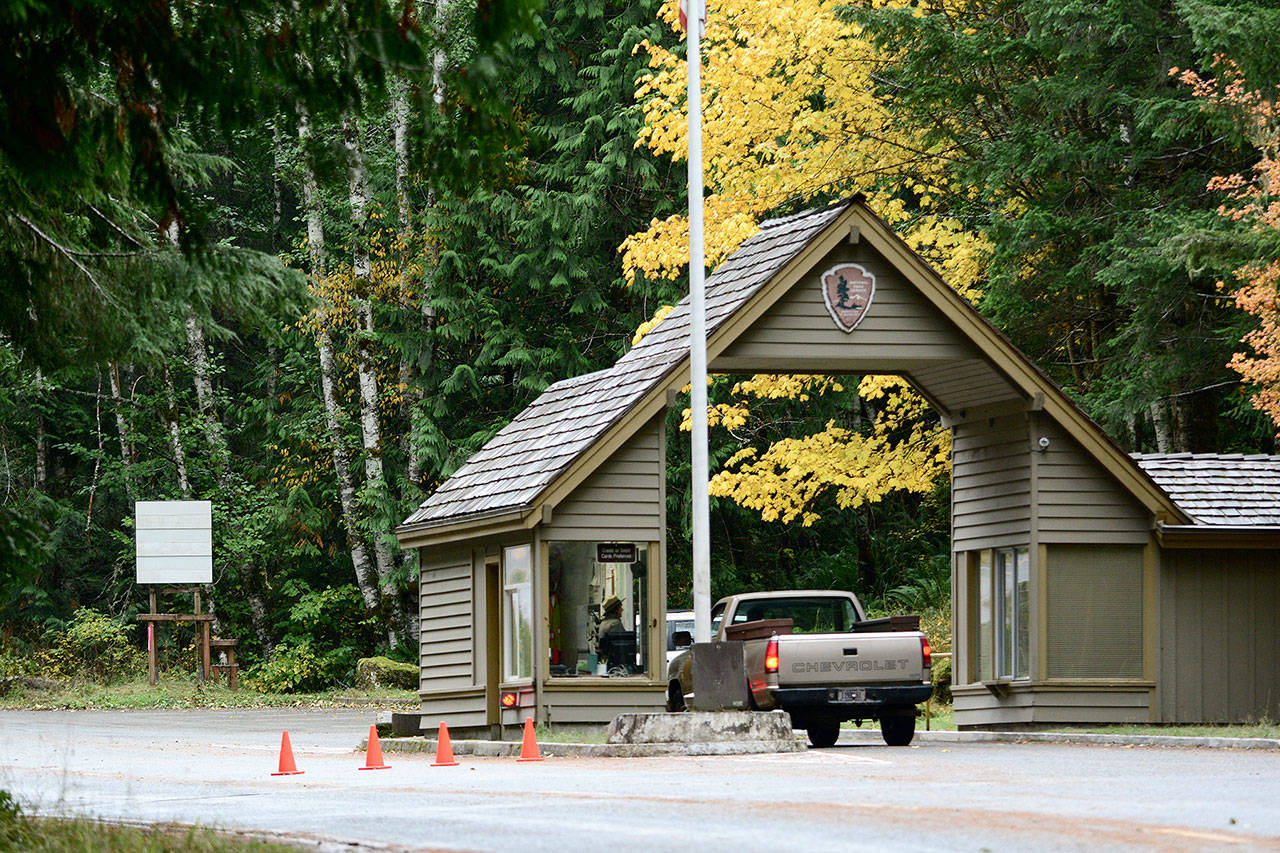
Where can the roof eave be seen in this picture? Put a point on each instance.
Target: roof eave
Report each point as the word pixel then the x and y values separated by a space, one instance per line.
pixel 1218 536
pixel 1020 370
pixel 475 525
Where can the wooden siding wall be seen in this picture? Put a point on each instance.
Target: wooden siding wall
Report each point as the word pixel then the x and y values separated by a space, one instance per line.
pixel 599 706
pixel 1079 501
pixel 1095 611
pixel 623 499
pixel 464 711
pixel 978 708
pixel 1219 635
pixel 446 649
pixel 990 483
pixel 900 331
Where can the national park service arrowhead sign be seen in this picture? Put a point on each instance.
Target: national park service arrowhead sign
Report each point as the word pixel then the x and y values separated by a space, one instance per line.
pixel 848 290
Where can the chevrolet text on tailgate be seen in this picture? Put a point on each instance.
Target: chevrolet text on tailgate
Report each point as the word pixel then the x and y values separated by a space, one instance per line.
pixel 813 654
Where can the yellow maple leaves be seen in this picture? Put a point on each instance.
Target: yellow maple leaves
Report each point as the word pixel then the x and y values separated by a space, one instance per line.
pixel 792 112
pixel 902 451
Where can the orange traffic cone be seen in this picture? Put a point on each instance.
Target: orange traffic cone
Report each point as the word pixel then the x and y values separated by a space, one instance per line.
pixel 373 753
pixel 444 748
pixel 529 749
pixel 287 767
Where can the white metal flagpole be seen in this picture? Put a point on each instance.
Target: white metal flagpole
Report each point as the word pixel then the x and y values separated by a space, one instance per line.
pixel 698 338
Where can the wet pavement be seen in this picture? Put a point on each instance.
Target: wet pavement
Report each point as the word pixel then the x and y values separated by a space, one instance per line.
pixel 213 768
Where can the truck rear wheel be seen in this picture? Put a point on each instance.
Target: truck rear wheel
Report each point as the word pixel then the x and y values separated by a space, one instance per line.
pixel 898 730
pixel 824 733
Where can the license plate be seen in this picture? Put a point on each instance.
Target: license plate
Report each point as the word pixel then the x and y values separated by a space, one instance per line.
pixel 849 694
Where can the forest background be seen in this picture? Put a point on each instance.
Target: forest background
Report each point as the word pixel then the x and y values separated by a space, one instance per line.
pixel 302 261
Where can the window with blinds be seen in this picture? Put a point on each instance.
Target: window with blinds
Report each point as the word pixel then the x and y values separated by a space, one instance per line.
pixel 1095 611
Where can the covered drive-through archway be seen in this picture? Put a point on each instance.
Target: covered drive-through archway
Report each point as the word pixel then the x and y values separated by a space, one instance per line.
pixel 1078 581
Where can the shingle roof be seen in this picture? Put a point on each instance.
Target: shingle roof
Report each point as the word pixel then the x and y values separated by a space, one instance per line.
pixel 1219 489
pixel 527 455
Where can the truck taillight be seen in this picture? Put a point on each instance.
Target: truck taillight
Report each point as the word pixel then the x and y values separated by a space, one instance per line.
pixel 926 653
pixel 771 655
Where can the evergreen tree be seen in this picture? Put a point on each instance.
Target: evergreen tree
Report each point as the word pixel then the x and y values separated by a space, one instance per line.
pixel 529 288
pixel 1085 165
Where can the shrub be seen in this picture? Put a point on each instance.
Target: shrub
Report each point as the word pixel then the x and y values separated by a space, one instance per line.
pixel 14 665
pixel 942 681
pixel 94 646
pixel 290 669
pixel 324 634
pixel 300 668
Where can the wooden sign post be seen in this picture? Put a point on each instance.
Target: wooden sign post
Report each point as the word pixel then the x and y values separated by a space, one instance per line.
pixel 155 617
pixel 175 546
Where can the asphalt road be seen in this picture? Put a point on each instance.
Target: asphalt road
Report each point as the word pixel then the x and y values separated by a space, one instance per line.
pixel 213 768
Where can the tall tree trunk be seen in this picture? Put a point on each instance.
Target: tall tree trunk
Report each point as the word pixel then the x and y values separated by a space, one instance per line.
pixel 1160 423
pixel 361 269
pixel 410 379
pixel 328 384
pixel 122 427
pixel 415 395
pixel 220 452
pixel 408 369
pixel 175 435
pixel 42 442
pixel 1182 413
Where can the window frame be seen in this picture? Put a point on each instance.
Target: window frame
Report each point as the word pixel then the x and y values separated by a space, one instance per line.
pixel 1003 604
pixel 643 600
pixel 517 604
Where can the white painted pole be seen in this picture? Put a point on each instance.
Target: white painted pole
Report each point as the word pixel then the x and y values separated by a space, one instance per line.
pixel 698 339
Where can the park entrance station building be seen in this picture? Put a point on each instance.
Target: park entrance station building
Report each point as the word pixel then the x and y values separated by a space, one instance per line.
pixel 1088 586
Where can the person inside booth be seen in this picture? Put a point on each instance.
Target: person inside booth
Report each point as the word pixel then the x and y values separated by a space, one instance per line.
pixel 617 644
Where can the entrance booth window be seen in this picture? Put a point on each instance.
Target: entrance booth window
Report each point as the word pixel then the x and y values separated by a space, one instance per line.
pixel 517 613
pixel 1004 614
pixel 599 608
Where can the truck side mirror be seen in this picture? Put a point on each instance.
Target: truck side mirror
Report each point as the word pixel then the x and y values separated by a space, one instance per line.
pixel 682 639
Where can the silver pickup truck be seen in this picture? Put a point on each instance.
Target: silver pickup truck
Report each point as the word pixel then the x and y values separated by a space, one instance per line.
pixel 813 654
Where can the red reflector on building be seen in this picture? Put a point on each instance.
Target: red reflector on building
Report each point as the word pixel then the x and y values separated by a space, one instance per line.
pixel 508 699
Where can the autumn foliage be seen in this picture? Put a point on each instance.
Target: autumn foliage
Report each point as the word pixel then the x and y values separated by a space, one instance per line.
pixel 1254 200
pixel 791 115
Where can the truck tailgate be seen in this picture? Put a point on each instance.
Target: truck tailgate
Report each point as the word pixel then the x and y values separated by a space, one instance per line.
pixel 855 659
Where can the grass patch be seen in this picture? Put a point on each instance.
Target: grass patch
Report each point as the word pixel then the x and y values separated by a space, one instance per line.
pixel 941 719
pixel 19 831
pixel 1264 729
pixel 57 835
pixel 185 691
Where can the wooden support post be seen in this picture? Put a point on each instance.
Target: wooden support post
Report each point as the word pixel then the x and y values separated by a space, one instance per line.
pixel 152 642
pixel 204 651
pixel 202 628
pixel 152 663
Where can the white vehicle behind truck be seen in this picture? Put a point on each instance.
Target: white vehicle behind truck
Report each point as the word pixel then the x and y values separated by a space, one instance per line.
pixel 813 654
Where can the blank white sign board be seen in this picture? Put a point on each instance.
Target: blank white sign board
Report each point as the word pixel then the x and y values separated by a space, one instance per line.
pixel 175 541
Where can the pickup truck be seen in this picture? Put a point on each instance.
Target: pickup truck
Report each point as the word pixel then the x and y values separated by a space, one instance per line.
pixel 813 654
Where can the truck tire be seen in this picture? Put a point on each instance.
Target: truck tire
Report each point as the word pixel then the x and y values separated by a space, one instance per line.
pixel 899 729
pixel 675 697
pixel 824 733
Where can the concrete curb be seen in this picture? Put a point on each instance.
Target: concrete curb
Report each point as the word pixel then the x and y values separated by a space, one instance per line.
pixel 1082 738
pixel 511 749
